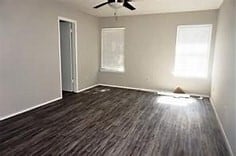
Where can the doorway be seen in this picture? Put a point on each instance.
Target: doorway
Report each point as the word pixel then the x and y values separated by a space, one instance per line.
pixel 68 55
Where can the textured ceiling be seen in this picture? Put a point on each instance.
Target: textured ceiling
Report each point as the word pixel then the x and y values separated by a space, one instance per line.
pixel 145 6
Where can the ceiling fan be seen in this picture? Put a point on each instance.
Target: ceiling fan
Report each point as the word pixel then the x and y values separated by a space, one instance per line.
pixel 116 4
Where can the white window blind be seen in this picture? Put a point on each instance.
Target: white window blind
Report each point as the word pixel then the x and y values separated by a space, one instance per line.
pixel 112 58
pixel 192 51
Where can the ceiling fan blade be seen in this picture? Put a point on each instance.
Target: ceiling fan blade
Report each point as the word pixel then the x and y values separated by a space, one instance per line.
pixel 129 6
pixel 100 5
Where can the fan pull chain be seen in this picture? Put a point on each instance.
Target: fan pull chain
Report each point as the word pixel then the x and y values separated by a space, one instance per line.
pixel 115 15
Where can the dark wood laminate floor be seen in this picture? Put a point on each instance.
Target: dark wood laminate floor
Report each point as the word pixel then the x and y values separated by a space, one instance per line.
pixel 115 122
pixel 67 94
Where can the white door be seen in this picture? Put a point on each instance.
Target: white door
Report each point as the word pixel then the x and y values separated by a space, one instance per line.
pixel 66 55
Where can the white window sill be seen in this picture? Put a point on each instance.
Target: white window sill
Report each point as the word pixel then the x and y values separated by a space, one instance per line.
pixel 111 71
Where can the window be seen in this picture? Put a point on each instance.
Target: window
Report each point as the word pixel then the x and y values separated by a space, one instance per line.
pixel 112 54
pixel 192 51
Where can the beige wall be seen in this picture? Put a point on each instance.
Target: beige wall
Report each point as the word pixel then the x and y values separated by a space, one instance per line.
pixel 150 51
pixel 223 78
pixel 29 60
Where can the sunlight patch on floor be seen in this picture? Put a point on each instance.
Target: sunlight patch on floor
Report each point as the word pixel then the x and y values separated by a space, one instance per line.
pixel 168 100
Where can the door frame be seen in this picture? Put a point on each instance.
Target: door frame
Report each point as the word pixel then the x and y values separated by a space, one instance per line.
pixel 74 53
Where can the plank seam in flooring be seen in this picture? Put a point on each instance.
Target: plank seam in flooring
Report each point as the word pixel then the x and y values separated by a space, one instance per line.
pixel 221 127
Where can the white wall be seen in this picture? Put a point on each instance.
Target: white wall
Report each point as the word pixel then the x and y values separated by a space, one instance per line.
pixel 29 59
pixel 150 51
pixel 224 71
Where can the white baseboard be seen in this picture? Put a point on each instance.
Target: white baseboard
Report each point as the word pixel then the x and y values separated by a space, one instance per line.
pixel 40 105
pixel 132 88
pixel 28 109
pixel 221 127
pixel 123 87
pixel 148 90
pixel 84 89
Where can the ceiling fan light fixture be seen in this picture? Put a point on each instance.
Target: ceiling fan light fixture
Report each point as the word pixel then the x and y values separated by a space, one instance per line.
pixel 116 5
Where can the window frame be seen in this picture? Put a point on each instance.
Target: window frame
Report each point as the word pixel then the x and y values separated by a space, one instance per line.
pixel 179 27
pixel 102 69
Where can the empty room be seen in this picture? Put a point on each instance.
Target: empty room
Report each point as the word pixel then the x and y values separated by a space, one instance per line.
pixel 118 77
